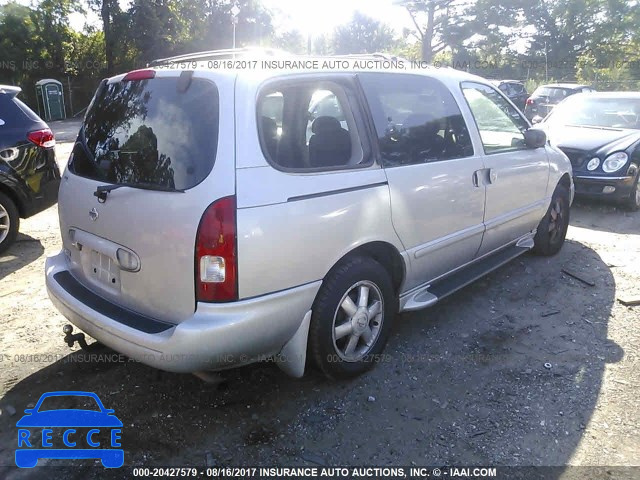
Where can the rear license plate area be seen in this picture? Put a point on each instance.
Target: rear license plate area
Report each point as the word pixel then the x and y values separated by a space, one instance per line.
pixel 103 270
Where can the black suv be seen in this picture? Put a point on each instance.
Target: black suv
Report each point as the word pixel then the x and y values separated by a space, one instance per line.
pixel 545 97
pixel 29 175
pixel 515 90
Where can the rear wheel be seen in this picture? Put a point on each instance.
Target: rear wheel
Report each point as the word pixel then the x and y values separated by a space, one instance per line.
pixel 553 227
pixel 633 202
pixel 352 318
pixel 9 222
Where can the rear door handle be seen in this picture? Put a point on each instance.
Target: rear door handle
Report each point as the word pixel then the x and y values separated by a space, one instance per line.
pixel 493 175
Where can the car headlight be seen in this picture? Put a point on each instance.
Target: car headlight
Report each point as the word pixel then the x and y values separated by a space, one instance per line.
pixel 615 162
pixel 593 164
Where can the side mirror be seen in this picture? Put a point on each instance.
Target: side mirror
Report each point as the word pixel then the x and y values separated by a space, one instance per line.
pixel 537 119
pixel 534 138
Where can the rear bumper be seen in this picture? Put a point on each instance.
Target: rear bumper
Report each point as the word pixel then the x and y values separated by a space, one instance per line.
pixel 37 190
pixel 216 337
pixel 601 186
pixel 47 197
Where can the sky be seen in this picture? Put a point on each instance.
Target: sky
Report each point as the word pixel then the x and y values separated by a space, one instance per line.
pixel 317 17
pixel 313 17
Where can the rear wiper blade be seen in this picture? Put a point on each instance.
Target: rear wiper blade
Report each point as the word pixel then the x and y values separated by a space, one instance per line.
pixel 103 190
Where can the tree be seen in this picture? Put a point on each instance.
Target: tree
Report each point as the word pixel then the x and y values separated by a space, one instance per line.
pixel 291 41
pixel 156 29
pixel 17 48
pixel 563 29
pixel 432 19
pixel 210 24
pixel 362 34
pixel 109 11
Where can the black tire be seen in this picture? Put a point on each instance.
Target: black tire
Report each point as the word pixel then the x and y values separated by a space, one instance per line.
pixel 9 217
pixel 552 229
pixel 330 354
pixel 633 202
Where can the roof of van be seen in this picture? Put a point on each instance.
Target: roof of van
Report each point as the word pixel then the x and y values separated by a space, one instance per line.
pixel 254 70
pixel 267 63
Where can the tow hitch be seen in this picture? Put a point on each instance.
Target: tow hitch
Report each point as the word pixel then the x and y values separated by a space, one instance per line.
pixel 77 337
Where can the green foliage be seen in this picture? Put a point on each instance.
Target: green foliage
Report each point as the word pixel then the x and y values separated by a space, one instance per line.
pixel 591 41
pixel 410 51
pixel 611 75
pixel 291 41
pixel 362 34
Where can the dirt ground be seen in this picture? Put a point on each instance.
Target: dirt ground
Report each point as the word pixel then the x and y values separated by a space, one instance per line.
pixel 528 366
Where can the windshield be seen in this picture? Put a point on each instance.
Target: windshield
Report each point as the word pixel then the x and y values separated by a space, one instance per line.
pixel 598 112
pixel 149 132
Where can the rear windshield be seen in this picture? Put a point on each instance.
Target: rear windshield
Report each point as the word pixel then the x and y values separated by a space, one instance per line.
pixel 151 133
pixel 14 113
pixel 556 93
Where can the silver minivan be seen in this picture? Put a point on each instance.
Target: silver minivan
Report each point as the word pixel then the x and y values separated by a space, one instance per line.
pixel 213 218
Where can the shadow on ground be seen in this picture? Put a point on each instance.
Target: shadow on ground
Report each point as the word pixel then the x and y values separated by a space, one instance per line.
pixel 505 372
pixel 604 217
pixel 25 250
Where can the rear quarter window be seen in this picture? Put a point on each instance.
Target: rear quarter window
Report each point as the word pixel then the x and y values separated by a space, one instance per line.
pixel 150 132
pixel 14 113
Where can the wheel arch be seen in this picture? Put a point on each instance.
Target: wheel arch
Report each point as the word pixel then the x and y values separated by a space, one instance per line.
pixel 385 254
pixel 9 192
pixel 565 181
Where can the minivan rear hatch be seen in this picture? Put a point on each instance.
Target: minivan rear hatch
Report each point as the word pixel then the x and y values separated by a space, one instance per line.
pixel 146 165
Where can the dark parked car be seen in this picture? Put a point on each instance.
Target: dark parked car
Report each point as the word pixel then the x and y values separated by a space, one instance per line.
pixel 515 90
pixel 600 133
pixel 545 97
pixel 29 176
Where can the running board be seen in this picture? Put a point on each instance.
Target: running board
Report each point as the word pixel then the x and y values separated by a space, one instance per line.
pixel 431 294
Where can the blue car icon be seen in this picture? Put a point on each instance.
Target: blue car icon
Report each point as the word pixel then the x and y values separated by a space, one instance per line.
pixel 81 432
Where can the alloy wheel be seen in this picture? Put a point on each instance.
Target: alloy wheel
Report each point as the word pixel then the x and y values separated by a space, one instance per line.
pixel 357 321
pixel 5 223
pixel 556 220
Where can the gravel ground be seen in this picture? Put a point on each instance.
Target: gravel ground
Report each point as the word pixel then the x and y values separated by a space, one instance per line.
pixel 528 366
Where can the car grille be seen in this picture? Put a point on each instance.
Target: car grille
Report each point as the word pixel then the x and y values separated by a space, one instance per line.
pixel 577 157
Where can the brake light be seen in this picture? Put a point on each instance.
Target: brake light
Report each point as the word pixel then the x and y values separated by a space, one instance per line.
pixel 530 101
pixel 139 75
pixel 43 138
pixel 216 262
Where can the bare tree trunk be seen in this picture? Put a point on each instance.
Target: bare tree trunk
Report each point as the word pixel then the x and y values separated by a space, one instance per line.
pixel 106 13
pixel 427 39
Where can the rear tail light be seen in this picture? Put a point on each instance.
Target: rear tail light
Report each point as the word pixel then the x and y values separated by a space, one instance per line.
pixel 43 138
pixel 139 75
pixel 216 261
pixel 530 101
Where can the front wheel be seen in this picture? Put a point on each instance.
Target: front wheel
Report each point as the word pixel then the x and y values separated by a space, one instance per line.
pixel 352 318
pixel 553 227
pixel 633 202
